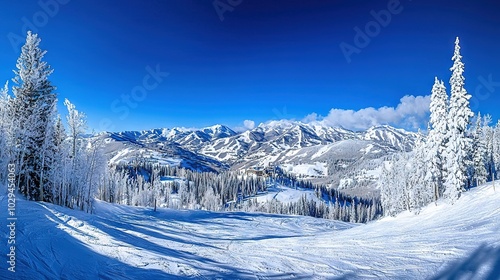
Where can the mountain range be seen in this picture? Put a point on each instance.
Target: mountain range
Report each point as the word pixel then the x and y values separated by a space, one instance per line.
pixel 290 144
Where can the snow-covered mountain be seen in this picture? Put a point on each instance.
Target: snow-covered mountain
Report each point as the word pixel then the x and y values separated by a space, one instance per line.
pixel 275 138
pixel 164 146
pixel 398 138
pixel 187 138
pixel 284 142
pixel 271 139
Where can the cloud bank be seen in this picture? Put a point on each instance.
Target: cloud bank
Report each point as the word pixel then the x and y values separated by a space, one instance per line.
pixel 411 113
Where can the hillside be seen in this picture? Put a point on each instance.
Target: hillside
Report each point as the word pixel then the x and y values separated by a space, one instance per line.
pixel 324 154
pixel 120 242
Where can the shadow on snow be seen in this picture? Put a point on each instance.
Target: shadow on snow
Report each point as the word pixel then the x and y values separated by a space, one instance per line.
pixel 483 263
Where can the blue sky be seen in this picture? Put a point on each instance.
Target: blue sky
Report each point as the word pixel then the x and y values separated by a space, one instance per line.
pixel 265 60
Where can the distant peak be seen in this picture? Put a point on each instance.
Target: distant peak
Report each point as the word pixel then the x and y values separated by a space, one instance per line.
pixel 218 131
pixel 218 127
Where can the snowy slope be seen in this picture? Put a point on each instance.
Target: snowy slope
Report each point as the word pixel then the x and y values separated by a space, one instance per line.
pixel 120 242
pixel 307 170
pixel 398 138
pixel 121 148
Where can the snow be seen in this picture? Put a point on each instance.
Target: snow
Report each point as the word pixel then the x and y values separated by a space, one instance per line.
pixel 315 169
pixel 363 175
pixel 286 194
pixel 323 150
pixel 127 154
pixel 457 241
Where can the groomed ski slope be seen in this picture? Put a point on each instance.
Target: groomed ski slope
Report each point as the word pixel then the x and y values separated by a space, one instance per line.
pixel 118 242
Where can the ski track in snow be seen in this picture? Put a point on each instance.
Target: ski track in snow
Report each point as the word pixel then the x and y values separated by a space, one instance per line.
pixel 121 242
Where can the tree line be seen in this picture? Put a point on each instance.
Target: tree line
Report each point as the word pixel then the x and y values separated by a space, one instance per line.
pixel 142 183
pixel 453 157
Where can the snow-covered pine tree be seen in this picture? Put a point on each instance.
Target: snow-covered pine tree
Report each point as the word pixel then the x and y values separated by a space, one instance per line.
pixel 394 184
pixel 488 135
pixel 46 157
pixel 479 153
pixel 32 108
pixel 421 190
pixel 436 139
pixel 458 147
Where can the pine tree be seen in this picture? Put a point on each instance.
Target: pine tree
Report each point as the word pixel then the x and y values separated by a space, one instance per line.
pixel 32 108
pixel 479 146
pixel 394 183
pixel 458 146
pixel 436 140
pixel 422 190
pixel 489 134
pixel 46 159
pixel 60 165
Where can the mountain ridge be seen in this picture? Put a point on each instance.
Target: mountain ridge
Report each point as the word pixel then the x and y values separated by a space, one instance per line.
pixel 219 147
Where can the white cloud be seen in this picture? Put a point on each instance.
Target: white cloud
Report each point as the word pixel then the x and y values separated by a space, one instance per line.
pixel 248 124
pixel 411 113
pixel 311 118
